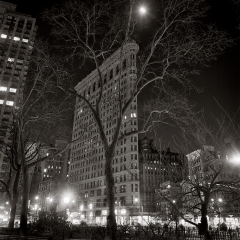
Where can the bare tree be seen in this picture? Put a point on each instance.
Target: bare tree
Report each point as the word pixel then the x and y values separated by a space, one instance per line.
pixel 212 185
pixel 34 124
pixel 178 43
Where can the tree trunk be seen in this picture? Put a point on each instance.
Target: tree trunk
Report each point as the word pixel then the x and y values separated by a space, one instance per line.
pixel 14 199
pixel 12 215
pixel 204 223
pixel 111 219
pixel 24 209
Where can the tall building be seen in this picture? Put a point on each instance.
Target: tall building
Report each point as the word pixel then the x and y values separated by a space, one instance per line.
pixel 87 167
pixel 157 168
pixel 49 176
pixel 17 34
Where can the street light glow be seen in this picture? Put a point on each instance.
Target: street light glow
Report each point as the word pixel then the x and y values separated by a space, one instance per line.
pixel 36 197
pixel 236 159
pixel 66 200
pixel 142 10
pixel 220 200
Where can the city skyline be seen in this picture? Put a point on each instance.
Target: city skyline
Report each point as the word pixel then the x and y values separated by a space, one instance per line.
pixel 115 63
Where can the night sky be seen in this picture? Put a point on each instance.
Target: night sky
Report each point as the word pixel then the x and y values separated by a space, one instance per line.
pixel 220 81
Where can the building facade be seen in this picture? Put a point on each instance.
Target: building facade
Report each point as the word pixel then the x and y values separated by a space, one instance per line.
pixel 87 168
pixel 51 176
pixel 17 34
pixel 157 168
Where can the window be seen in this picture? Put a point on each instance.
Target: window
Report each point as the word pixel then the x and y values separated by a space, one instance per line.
pixel 10 103
pixel 11 59
pixel 123 201
pixel 124 64
pixel 99 192
pixel 25 40
pixel 3 36
pixel 16 38
pixel 13 90
pixel 122 188
pixel 111 74
pixel 117 69
pixel 4 89
pixel 105 79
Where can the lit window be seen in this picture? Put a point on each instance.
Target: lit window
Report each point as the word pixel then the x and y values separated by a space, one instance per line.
pixel 10 59
pixel 3 36
pixel 16 38
pixel 135 115
pixel 1 101
pixel 125 117
pixel 13 90
pixel 45 170
pixel 10 103
pixel 3 89
pixel 25 40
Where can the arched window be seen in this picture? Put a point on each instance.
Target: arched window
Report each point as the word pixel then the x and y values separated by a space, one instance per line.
pixel 99 84
pixel 89 90
pixel 94 87
pixel 84 93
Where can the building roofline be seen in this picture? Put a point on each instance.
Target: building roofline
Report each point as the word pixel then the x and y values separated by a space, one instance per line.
pixel 104 65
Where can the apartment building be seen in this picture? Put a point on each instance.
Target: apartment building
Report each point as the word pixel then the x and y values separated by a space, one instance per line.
pixel 17 34
pixel 50 176
pixel 157 168
pixel 87 167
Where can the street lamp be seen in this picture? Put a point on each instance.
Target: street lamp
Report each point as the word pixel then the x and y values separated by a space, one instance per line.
pixel 66 200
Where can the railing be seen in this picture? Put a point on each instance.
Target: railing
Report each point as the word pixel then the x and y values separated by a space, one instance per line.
pixel 150 233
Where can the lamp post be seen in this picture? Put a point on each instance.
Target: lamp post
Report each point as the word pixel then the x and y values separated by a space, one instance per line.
pixel 216 207
pixel 220 201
